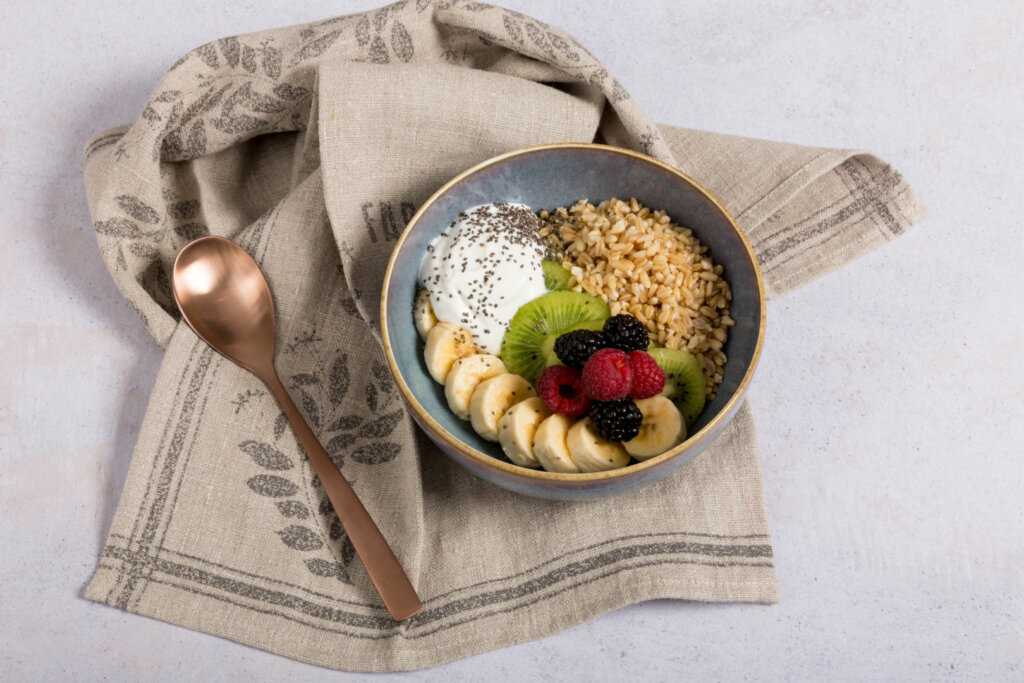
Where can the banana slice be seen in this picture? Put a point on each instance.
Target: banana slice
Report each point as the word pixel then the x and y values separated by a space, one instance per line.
pixel 492 398
pixel 662 428
pixel 516 430
pixel 550 447
pixel 592 452
pixel 446 343
pixel 423 313
pixel 466 373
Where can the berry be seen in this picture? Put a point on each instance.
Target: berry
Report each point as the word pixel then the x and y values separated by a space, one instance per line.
pixel 574 348
pixel 648 377
pixel 626 333
pixel 616 420
pixel 607 375
pixel 559 388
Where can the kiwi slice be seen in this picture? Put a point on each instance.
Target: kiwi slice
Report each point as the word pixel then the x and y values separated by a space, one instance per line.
pixel 684 380
pixel 555 276
pixel 537 324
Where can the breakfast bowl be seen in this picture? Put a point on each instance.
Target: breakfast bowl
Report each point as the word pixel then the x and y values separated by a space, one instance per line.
pixel 547 177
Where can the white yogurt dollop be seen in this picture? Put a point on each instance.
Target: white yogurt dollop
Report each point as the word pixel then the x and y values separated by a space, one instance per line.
pixel 483 268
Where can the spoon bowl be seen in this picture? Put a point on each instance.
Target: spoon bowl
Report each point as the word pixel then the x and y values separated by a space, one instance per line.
pixel 224 297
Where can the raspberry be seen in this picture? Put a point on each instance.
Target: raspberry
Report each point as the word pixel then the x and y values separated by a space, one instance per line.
pixel 616 420
pixel 574 348
pixel 626 332
pixel 559 388
pixel 607 375
pixel 648 377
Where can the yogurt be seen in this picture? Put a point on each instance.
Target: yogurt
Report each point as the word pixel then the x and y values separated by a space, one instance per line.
pixel 482 268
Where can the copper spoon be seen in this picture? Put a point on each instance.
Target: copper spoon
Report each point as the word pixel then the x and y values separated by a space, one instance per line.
pixel 224 297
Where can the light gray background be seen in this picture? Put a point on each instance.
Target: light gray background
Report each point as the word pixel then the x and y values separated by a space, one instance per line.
pixel 890 397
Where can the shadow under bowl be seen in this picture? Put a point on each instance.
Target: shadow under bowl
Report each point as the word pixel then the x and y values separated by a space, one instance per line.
pixel 547 177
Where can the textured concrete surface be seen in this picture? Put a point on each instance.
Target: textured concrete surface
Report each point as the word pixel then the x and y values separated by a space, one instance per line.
pixel 890 398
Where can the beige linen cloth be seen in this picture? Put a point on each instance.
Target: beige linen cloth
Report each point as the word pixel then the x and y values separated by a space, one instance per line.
pixel 311 146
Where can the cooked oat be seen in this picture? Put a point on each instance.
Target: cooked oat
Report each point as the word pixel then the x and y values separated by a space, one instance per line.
pixel 643 264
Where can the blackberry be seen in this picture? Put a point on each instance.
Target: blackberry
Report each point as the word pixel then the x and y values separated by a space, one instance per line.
pixel 626 333
pixel 616 420
pixel 574 348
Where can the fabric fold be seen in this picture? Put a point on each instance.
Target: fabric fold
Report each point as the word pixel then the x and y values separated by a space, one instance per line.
pixel 311 146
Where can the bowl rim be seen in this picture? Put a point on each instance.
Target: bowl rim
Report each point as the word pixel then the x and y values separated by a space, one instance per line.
pixel 430 424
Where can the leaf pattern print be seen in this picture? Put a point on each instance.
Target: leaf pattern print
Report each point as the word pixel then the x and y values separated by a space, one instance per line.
pixel 119 227
pixel 184 210
pixel 143 250
pixel 272 61
pixel 300 538
pixel 328 569
pixel 379 51
pixel 229 48
pixel 272 486
pixel 266 456
pixel 345 422
pixel 376 453
pixel 339 379
pixel 208 53
pixel 382 426
pixel 401 42
pixel 292 508
pixel 191 231
pixel 315 48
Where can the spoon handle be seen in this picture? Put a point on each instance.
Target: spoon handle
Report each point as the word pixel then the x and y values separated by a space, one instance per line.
pixel 381 564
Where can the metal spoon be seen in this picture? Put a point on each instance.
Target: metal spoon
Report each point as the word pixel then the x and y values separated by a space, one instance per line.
pixel 224 297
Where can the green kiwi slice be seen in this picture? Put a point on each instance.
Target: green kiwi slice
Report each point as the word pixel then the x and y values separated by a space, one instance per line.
pixel 537 324
pixel 555 276
pixel 684 380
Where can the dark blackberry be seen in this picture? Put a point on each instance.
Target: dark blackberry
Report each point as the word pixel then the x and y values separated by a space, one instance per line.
pixel 574 348
pixel 626 333
pixel 616 420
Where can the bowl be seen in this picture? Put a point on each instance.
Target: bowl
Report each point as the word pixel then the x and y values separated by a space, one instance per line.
pixel 550 176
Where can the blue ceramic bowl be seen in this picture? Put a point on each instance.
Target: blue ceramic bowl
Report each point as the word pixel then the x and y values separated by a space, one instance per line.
pixel 548 177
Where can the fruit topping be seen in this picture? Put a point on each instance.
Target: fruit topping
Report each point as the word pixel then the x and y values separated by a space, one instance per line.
pixel 662 428
pixel 550 446
pixel 574 348
pixel 492 398
pixel 423 313
pixel 465 376
pixel 607 375
pixel 517 429
pixel 559 388
pixel 648 377
pixel 627 333
pixel 592 452
pixel 446 343
pixel 616 420
pixel 684 381
pixel 537 325
pixel 555 276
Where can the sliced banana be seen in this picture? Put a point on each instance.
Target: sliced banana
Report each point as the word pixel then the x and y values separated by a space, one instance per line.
pixel 592 452
pixel 446 343
pixel 550 446
pixel 662 428
pixel 464 377
pixel 517 428
pixel 492 398
pixel 423 313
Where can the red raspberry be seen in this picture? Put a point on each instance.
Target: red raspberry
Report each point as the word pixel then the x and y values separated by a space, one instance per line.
pixel 607 375
pixel 559 388
pixel 648 377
